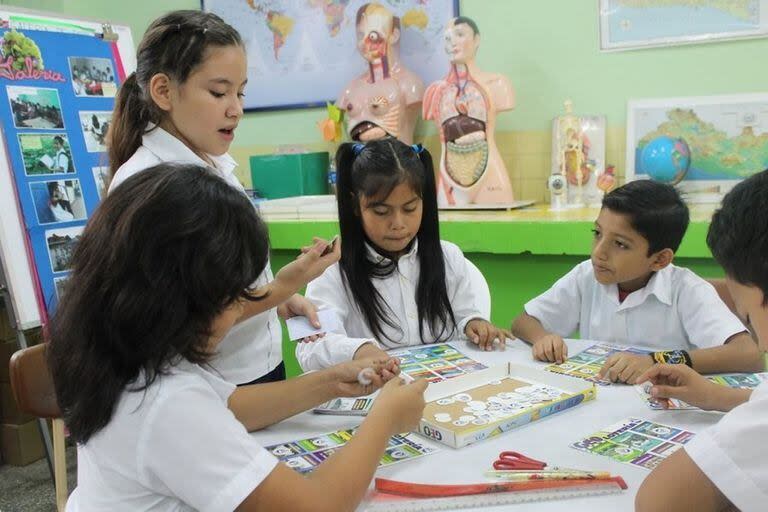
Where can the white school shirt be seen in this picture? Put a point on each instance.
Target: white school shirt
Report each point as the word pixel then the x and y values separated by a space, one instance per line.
pixel 175 447
pixel 253 347
pixel 732 453
pixel 61 160
pixel 398 292
pixel 676 310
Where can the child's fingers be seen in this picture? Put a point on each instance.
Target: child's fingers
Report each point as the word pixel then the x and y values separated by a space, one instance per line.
pixel 558 350
pixel 609 362
pixel 549 351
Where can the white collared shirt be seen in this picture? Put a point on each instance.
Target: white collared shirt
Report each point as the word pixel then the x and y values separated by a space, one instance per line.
pixel 174 447
pixel 253 347
pixel 398 292
pixel 732 455
pixel 676 310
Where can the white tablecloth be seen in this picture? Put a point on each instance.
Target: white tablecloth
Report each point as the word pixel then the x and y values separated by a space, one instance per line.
pixel 547 439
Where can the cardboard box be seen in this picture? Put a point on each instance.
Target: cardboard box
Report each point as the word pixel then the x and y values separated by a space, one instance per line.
pixel 21 444
pixel 527 395
pixel 9 410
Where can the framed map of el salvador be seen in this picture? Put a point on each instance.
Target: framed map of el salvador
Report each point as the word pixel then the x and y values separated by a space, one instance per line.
pixel 634 24
pixel 301 53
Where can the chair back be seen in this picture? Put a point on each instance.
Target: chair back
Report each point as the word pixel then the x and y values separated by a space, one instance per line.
pixel 32 383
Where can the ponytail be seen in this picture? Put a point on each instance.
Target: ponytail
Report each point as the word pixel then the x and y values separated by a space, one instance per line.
pixel 129 120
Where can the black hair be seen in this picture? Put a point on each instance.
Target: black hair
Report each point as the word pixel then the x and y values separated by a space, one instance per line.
pixel 160 258
pixel 59 139
pixel 655 210
pixel 459 20
pixel 738 233
pixel 174 44
pixel 379 167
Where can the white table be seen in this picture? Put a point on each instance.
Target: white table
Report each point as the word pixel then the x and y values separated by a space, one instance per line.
pixel 547 439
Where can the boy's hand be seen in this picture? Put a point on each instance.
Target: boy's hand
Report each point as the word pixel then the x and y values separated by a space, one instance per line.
pixel 483 334
pixel 625 367
pixel 298 305
pixel 681 382
pixel 550 348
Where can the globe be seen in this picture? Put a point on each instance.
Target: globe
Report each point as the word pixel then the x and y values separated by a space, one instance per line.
pixel 665 159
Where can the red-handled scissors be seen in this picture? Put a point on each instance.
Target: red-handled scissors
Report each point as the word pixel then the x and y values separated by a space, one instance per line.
pixel 516 460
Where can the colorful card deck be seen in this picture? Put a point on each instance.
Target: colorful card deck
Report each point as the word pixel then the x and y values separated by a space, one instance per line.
pixel 304 455
pixel 586 364
pixel 733 380
pixel 636 441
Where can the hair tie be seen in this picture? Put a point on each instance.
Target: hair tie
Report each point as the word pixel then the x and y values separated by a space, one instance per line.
pixel 417 148
pixel 357 148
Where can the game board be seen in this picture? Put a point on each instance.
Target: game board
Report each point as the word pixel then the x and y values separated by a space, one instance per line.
pixel 587 363
pixel 304 455
pixel 432 362
pixel 636 441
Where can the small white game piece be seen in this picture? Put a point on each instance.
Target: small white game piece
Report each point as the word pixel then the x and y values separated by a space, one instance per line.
pixel 363 377
pixel 480 421
pixel 463 397
pixel 461 423
pixel 445 401
pixel 468 417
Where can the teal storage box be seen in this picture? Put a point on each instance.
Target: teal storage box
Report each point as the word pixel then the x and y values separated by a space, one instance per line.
pixel 276 176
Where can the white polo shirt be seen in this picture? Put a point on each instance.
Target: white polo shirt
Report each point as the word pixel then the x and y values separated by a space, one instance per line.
pixel 398 292
pixel 732 453
pixel 676 310
pixel 253 347
pixel 175 447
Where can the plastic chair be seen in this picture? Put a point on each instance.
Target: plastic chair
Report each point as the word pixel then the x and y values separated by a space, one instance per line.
pixel 34 393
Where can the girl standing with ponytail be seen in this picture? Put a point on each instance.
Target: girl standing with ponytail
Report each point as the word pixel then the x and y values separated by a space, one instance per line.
pixel 183 105
pixel 397 283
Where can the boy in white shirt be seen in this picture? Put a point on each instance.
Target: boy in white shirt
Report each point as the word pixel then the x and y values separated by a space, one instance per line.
pixel 723 467
pixel 629 293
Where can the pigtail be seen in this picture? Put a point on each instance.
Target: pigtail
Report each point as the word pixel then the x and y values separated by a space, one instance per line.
pixel 434 306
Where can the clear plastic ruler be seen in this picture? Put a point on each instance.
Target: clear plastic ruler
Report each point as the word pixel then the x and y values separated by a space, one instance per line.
pixel 389 503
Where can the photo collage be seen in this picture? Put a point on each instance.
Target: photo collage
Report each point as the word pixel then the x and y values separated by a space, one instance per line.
pixel 55 130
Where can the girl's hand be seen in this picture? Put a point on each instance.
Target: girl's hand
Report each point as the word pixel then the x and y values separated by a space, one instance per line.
pixel 483 334
pixel 298 305
pixel 399 404
pixel 312 262
pixel 353 377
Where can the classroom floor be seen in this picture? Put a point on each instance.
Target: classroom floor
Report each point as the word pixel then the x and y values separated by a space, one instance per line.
pixel 30 488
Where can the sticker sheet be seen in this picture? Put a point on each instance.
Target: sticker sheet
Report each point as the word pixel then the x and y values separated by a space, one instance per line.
pixel 636 441
pixel 435 362
pixel 346 406
pixel 586 364
pixel 732 380
pixel 305 455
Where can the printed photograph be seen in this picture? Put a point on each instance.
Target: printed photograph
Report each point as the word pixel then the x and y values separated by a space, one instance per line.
pixel 95 126
pixel 58 201
pixel 46 153
pixel 92 76
pixel 61 285
pixel 35 107
pixel 101 178
pixel 61 245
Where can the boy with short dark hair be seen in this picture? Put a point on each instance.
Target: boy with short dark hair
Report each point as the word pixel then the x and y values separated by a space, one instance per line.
pixel 629 293
pixel 723 467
